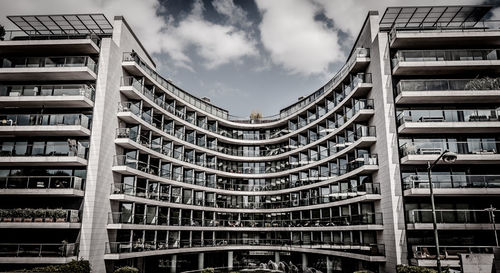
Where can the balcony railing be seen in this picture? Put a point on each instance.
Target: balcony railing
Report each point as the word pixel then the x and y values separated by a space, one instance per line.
pixel 22 35
pixel 479 115
pixel 45 120
pixel 444 85
pixel 18 148
pixel 452 181
pixel 139 246
pixel 445 55
pixel 38 250
pixel 451 216
pixel 41 182
pixel 40 215
pixel 477 147
pixel 63 61
pixel 48 90
pixel 447 251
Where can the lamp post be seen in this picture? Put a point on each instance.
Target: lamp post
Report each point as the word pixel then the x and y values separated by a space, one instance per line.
pixel 492 210
pixel 448 157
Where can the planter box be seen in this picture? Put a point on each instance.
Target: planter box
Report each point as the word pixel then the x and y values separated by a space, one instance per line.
pixel 7 219
pixel 38 219
pixel 60 220
pixel 18 219
pixel 28 219
pixel 48 219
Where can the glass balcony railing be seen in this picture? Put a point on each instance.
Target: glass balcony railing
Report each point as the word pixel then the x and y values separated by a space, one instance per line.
pixel 41 182
pixel 49 148
pixel 22 35
pixel 479 115
pixel 45 120
pixel 445 55
pixel 40 215
pixel 424 147
pixel 451 216
pixel 38 250
pixel 449 252
pixel 448 85
pixel 138 246
pixel 64 61
pixel 48 90
pixel 455 181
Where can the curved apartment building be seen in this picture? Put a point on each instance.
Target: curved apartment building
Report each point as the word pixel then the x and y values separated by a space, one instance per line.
pixel 102 158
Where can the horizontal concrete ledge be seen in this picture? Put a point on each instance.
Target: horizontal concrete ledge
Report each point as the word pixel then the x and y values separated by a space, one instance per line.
pixel 444 227
pixel 407 39
pixel 218 228
pixel 443 67
pixel 449 127
pixel 82 46
pixel 43 192
pixel 47 73
pixel 43 130
pixel 432 262
pixel 37 260
pixel 315 250
pixel 43 225
pixel 47 101
pixel 461 159
pixel 443 97
pixel 452 191
pixel 44 160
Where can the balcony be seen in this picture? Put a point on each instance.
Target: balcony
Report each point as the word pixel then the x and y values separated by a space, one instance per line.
pixel 473 151
pixel 452 185
pixel 448 121
pixel 38 253
pixel 40 218
pixel 448 91
pixel 42 185
pixel 45 124
pixel 449 219
pixel 425 255
pixel 43 153
pixel 77 68
pixel 436 62
pixel 50 96
pixel 18 41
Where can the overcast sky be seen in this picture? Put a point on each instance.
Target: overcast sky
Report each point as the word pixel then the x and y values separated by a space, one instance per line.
pixel 243 54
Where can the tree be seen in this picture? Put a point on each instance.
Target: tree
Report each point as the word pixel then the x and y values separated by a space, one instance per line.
pixel 2 32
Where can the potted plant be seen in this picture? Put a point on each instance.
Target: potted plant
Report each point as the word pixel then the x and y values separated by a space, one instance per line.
pixel 5 215
pixel 38 214
pixel 60 215
pixel 2 32
pixel 126 269
pixel 17 214
pixel 28 215
pixel 49 216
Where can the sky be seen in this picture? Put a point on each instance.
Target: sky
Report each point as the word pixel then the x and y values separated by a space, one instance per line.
pixel 245 55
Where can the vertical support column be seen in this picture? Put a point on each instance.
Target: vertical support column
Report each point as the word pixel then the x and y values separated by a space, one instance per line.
pixel 277 257
pixel 230 259
pixel 201 261
pixel 304 261
pixel 173 263
pixel 329 264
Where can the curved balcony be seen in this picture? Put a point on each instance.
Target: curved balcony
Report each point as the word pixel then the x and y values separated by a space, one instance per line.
pixel 448 121
pixel 435 62
pixel 45 124
pixel 447 91
pixel 459 185
pixel 42 185
pixel 43 153
pixel 473 151
pixel 82 68
pixel 38 253
pixel 122 250
pixel 50 96
pixel 451 219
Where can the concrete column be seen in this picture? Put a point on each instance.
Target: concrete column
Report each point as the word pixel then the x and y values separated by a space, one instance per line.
pixel 304 261
pixel 173 263
pixel 276 257
pixel 230 259
pixel 201 261
pixel 329 264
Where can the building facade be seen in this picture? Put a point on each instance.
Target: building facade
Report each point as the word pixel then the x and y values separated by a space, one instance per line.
pixel 104 159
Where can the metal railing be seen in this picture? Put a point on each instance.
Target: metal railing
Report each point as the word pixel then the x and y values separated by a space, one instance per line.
pixel 22 35
pixel 473 115
pixel 41 182
pixel 48 90
pixel 477 147
pixel 44 119
pixel 447 251
pixel 18 148
pixel 445 55
pixel 455 181
pixel 38 250
pixel 445 85
pixel 56 61
pixel 451 216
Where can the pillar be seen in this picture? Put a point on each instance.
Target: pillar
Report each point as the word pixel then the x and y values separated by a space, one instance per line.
pixel 230 259
pixel 304 261
pixel 201 261
pixel 329 264
pixel 276 257
pixel 173 263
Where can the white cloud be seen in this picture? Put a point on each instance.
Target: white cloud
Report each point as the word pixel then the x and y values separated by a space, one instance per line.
pixel 236 16
pixel 294 39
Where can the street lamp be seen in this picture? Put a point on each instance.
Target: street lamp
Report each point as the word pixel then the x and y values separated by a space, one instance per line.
pixel 448 157
pixel 492 210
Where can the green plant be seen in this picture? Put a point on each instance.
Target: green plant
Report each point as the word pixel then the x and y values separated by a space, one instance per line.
pixel 59 213
pixel 39 213
pixel 28 213
pixel 4 213
pixel 74 266
pixel 208 270
pixel 17 213
pixel 413 269
pixel 127 269
pixel 485 83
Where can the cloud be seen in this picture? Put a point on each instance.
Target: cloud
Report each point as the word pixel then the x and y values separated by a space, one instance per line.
pixel 216 44
pixel 294 39
pixel 235 15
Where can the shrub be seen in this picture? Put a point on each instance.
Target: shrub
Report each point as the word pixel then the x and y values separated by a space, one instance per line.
pixel 59 213
pixel 208 270
pixel 127 269
pixel 39 213
pixel 74 266
pixel 17 212
pixel 485 83
pixel 413 269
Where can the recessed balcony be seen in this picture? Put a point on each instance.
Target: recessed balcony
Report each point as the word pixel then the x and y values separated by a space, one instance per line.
pixel 78 68
pixel 42 185
pixel 452 185
pixel 449 219
pixel 38 253
pixel 438 62
pixel 448 121
pixel 425 255
pixel 50 96
pixel 43 153
pixel 447 91
pixel 40 218
pixel 45 125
